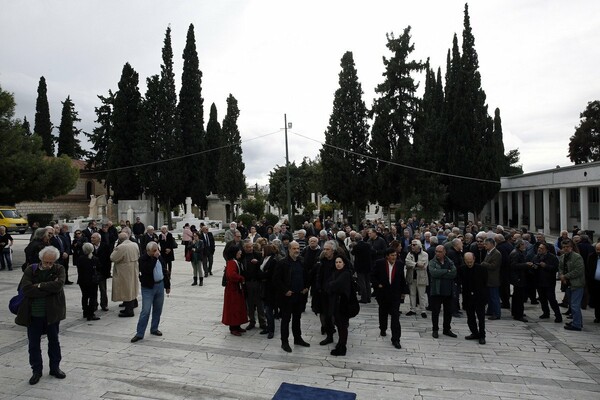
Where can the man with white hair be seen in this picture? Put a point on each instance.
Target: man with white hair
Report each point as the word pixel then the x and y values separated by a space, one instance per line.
pixel 155 282
pixel 125 283
pixel 42 309
pixel 230 234
pixel 102 251
pixel 416 277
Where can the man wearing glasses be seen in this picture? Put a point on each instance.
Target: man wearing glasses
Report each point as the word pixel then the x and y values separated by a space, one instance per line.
pixel 572 275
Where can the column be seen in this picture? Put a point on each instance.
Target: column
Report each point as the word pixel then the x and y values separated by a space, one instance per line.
pixel 583 207
pixel 546 201
pixel 563 209
pixel 500 208
pixel 532 210
pixel 509 197
pixel 519 209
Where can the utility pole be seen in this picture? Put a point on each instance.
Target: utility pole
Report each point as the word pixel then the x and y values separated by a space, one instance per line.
pixel 287 173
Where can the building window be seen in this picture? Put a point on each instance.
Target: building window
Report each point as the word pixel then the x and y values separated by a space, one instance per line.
pixel 594 202
pixel 574 203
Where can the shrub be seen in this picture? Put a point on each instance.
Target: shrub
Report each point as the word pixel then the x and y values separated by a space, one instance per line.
pixel 43 219
pixel 272 219
pixel 247 219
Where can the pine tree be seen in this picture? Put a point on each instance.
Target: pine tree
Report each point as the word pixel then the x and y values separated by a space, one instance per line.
pixel 213 142
pixel 191 120
pixel 394 113
pixel 584 145
pixel 347 180
pixel 68 143
pixel 125 148
pixel 231 179
pixel 43 126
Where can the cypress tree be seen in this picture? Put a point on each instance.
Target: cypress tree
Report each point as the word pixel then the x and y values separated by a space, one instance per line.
pixel 42 125
pixel 101 136
pixel 395 114
pixel 347 180
pixel 230 177
pixel 213 142
pixel 126 145
pixel 191 120
pixel 26 127
pixel 68 143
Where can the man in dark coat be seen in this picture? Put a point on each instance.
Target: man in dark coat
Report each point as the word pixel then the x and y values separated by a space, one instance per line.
pixel 209 250
pixel 390 288
pixel 324 269
pixel 474 280
pixel 250 263
pixel 505 248
pixel 155 282
pixel 545 265
pixel 292 284
pixel 362 265
pixel 455 253
pixel 519 269
pixel 102 251
pixel 592 280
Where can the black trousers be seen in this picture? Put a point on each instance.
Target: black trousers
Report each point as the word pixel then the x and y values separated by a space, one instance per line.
pixel 505 287
pixel 436 304
pixel 89 299
pixel 390 308
pixel 548 295
pixel 519 296
pixel 475 315
pixel 291 309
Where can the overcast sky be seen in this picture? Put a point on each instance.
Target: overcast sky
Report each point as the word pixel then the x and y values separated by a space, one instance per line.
pixel 539 60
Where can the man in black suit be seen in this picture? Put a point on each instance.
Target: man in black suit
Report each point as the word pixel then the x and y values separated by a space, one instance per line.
pixel 102 251
pixel 362 265
pixel 209 250
pixel 474 280
pixel 147 237
pixel 390 288
pixel 91 228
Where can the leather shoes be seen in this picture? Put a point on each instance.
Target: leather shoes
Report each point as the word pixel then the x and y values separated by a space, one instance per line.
pixel 544 316
pixel 57 373
pixel 382 333
pixel 481 340
pixel 326 341
pixel 423 315
pixel 493 318
pixel 558 319
pixel 250 326
pixel 472 337
pixel 270 335
pixel 435 334
pixel 572 328
pixel 410 313
pixel 522 319
pixel 104 308
pixel 286 347
pixel 263 332
pixel 35 378
pixel 135 339
pixel 123 314
pixel 156 333
pixel 93 318
pixel 236 333
pixel 449 333
pixel 397 345
pixel 301 342
pixel 596 320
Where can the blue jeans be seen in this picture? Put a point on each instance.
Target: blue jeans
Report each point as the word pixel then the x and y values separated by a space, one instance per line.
pixel 151 299
pixel 494 301
pixel 5 258
pixel 35 330
pixel 576 295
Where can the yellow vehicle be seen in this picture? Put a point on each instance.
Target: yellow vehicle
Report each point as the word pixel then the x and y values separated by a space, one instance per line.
pixel 12 220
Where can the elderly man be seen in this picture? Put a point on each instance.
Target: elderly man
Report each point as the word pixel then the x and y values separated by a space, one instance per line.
pixel 209 250
pixel 64 247
pixel 154 278
pixel 320 299
pixel 147 237
pixel 250 265
pixel 443 274
pixel 474 282
pixel 42 309
pixel 291 283
pixel 493 262
pixel 362 265
pixel 592 278
pixel 102 251
pixel 572 274
pixel 546 266
pixel 125 284
pixel 416 277
pixel 519 268
pixel 390 288
pixel 230 233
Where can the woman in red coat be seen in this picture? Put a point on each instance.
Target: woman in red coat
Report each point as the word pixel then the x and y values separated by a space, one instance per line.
pixel 234 304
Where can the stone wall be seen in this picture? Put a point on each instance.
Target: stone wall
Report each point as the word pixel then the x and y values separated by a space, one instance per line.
pixel 59 210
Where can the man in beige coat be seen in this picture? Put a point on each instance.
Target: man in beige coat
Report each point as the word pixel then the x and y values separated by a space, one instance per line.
pixel 417 280
pixel 125 282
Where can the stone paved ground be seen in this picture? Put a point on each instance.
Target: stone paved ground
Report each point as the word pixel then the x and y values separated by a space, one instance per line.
pixel 198 359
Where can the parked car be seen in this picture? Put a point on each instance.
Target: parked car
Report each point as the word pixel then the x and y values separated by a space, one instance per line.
pixel 12 220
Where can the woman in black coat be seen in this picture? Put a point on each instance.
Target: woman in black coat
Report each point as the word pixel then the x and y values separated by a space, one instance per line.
pixel 167 243
pixel 76 246
pixel 338 289
pixel 268 291
pixel 87 279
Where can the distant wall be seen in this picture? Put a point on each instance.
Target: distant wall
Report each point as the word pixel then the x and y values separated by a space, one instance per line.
pixel 72 209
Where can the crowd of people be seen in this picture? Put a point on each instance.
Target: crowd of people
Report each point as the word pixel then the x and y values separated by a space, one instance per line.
pixel 272 272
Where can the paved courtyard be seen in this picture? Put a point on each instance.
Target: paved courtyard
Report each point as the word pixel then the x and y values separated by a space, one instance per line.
pixel 197 358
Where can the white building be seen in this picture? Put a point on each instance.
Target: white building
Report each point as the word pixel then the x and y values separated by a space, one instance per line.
pixel 549 201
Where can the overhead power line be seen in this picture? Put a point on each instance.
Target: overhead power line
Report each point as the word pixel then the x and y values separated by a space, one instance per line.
pixel 396 164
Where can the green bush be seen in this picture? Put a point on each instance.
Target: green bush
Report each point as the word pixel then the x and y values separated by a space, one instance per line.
pixel 272 219
pixel 43 219
pixel 299 221
pixel 247 219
